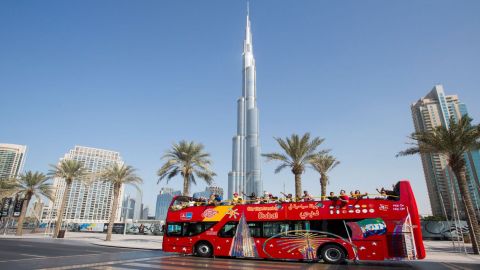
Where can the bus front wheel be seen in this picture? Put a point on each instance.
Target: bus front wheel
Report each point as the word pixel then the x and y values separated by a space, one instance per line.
pixel 203 249
pixel 333 254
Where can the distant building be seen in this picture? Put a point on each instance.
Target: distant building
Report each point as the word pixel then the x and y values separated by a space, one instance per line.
pixel 209 191
pixel 164 198
pixel 137 210
pixel 431 111
pixel 145 212
pixel 90 203
pixel 36 211
pixel 12 159
pixel 128 208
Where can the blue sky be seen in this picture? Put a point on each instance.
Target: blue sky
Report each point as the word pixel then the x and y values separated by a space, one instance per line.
pixel 135 76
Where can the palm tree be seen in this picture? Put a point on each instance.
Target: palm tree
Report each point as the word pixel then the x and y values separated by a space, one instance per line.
pixel 69 170
pixel 189 160
pixel 323 164
pixel 28 185
pixel 453 142
pixel 298 153
pixel 118 175
pixel 8 187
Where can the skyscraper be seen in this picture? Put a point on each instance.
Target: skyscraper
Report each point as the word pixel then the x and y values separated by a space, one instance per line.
pixel 12 159
pixel 245 175
pixel 209 191
pixel 90 202
pixel 433 110
pixel 164 198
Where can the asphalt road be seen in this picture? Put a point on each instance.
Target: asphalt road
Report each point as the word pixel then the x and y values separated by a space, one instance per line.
pixel 21 254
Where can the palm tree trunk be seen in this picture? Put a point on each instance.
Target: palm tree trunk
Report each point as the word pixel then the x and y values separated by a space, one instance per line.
pixel 469 209
pixel 298 185
pixel 186 185
pixel 26 201
pixel 58 225
pixel 323 186
pixel 116 192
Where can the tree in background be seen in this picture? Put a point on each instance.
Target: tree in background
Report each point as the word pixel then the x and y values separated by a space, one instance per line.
pixel 118 175
pixel 323 163
pixel 299 151
pixel 28 185
pixel 189 160
pixel 68 170
pixel 453 142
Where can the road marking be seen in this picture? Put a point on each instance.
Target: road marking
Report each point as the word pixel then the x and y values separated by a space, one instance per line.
pixel 32 255
pixel 67 256
pixel 90 265
pixel 144 265
pixel 195 262
pixel 455 267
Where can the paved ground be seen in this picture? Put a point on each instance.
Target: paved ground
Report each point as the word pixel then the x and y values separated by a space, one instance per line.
pixel 151 242
pixel 40 253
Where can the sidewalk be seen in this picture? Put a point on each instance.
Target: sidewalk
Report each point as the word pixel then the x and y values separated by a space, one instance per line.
pixel 152 242
pixel 443 251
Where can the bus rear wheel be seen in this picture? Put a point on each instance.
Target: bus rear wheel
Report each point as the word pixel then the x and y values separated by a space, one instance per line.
pixel 203 249
pixel 333 254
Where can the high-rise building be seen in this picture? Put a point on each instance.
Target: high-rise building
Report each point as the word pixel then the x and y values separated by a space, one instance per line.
pixel 433 110
pixel 131 208
pixel 209 191
pixel 164 198
pixel 12 159
pixel 137 210
pixel 92 201
pixel 145 212
pixel 246 175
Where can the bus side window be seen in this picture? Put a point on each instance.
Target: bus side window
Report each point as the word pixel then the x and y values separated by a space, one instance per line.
pixel 228 230
pixel 273 228
pixel 335 226
pixel 174 229
pixel 255 229
pixel 194 228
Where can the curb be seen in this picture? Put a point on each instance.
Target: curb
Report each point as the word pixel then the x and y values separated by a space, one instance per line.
pixel 113 246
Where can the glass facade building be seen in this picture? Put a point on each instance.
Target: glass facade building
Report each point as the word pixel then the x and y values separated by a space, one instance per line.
pixel 90 202
pixel 433 110
pixel 164 198
pixel 12 159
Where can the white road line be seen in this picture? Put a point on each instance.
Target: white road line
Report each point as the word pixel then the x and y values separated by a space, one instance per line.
pixel 454 267
pixel 104 264
pixel 144 265
pixel 67 256
pixel 32 255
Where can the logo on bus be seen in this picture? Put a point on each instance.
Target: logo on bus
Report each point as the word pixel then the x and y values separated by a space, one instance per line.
pixel 209 213
pixel 186 216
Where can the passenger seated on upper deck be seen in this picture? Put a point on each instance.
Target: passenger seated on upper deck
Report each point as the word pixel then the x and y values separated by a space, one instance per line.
pixel 211 200
pixel 332 197
pixel 344 197
pixel 266 197
pixel 388 194
pixel 306 197
pixel 288 197
pixel 218 199
pixel 236 199
pixel 252 198
pixel 358 195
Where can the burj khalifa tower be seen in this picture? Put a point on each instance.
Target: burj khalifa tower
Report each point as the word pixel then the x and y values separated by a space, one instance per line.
pixel 245 176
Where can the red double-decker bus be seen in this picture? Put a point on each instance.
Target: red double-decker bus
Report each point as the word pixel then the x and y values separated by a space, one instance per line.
pixel 328 230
